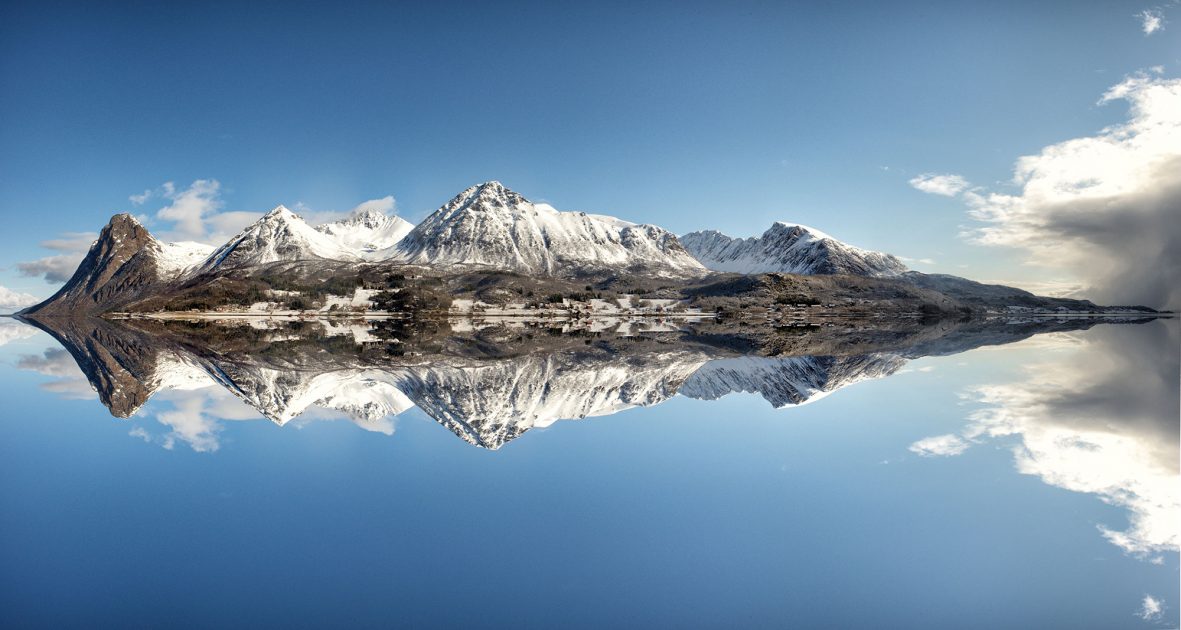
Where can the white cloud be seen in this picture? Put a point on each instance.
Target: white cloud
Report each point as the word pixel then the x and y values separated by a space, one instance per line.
pixel 1104 210
pixel 918 261
pixel 14 300
pixel 1151 609
pixel 141 198
pixel 189 209
pixel 55 269
pixel 948 185
pixel 1095 418
pixel 385 205
pixel 1151 21
pixel 940 446
pixel 190 424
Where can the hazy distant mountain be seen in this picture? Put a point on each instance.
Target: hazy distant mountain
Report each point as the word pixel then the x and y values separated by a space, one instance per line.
pixel 788 248
pixel 370 234
pixel 491 226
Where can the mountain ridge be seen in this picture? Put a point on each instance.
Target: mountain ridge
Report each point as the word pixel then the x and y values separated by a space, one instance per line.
pixel 788 248
pixel 491 230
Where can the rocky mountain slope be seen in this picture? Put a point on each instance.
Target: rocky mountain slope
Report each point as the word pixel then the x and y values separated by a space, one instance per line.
pixel 125 263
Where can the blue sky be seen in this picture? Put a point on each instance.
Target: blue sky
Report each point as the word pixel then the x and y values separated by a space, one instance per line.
pixel 685 115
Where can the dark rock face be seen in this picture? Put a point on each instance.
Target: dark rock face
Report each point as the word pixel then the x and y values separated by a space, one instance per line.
pixel 119 268
pixel 119 362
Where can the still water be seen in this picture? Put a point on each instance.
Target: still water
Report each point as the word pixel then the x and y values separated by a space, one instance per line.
pixel 303 478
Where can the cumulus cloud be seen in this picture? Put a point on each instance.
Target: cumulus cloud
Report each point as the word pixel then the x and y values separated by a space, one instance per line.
pixel 1151 21
pixel 14 300
pixel 1151 608
pixel 195 213
pixel 1104 210
pixel 947 185
pixel 189 423
pixel 940 446
pixel 1098 417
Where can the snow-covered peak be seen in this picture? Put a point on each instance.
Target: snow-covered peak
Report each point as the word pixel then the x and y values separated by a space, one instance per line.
pixel 280 212
pixel 175 259
pixel 369 234
pixel 788 248
pixel 279 236
pixel 491 226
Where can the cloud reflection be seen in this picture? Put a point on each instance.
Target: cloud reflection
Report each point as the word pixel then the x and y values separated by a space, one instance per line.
pixel 1099 418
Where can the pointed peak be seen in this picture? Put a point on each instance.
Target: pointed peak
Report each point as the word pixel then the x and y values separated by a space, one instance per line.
pixel 490 194
pixel 798 229
pixel 124 218
pixel 279 211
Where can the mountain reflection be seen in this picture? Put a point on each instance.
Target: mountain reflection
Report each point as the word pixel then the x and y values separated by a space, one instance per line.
pixel 486 383
pixel 1091 417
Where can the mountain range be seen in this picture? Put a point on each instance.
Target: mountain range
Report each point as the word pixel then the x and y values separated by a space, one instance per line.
pixel 486 229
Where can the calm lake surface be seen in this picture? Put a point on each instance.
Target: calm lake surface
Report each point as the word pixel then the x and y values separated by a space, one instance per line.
pixel 1031 484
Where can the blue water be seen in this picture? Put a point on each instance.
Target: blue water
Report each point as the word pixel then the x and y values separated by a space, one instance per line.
pixel 689 513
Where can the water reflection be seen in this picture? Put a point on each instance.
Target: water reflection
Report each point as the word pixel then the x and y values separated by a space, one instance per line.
pixel 1093 417
pixel 1096 416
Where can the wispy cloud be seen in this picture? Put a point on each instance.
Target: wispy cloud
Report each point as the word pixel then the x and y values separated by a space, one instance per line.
pixel 945 184
pixel 59 267
pixel 1101 209
pixel 1151 21
pixel 940 446
pixel 141 198
pixel 69 381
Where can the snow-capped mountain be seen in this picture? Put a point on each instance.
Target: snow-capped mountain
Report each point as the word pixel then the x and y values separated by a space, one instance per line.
pixel 491 226
pixel 788 248
pixel 369 234
pixel 279 236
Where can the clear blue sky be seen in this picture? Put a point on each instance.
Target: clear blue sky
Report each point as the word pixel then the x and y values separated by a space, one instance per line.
pixel 687 115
